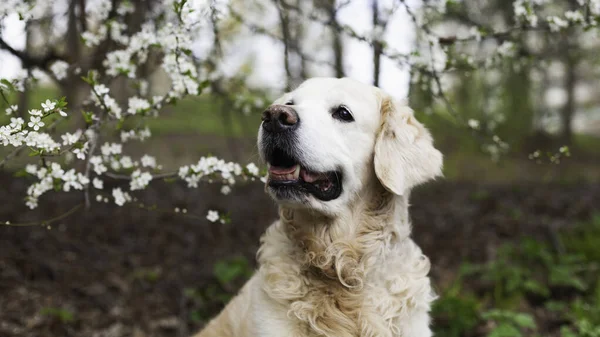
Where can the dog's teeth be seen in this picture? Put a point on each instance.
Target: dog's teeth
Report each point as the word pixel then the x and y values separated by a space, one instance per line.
pixel 296 172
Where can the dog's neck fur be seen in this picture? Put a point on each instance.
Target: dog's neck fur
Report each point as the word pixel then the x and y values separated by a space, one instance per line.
pixel 316 266
pixel 366 226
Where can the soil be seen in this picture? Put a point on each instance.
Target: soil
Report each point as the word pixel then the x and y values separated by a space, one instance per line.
pixel 125 271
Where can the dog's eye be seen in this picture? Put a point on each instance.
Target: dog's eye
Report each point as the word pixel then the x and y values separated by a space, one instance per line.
pixel 290 102
pixel 342 113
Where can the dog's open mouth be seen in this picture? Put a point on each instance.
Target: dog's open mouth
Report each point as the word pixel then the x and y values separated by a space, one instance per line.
pixel 287 175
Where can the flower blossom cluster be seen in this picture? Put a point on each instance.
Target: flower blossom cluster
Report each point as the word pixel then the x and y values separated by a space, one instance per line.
pixel 214 168
pixel 108 159
pixel 19 132
pixel 50 177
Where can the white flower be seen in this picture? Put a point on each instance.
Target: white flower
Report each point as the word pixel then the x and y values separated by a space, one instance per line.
pixel 99 184
pixel 115 164
pixel 16 123
pixel 126 162
pixel 574 16
pixel 252 169
pixel 59 69
pixel 144 134
pixel 225 190
pixel 137 105
pixel 62 113
pixel 36 112
pixel 56 171
pixel 111 148
pixel 31 202
pixel 11 109
pixel 80 152
pixel 120 197
pixel 91 39
pixel 112 106
pixel 99 167
pixel 31 169
pixel 83 180
pixel 41 141
pixel 473 124
pixel 119 62
pixel 148 161
pixel 72 180
pixel 48 105
pixel 506 49
pixel 139 180
pixel 41 173
pixel 212 216
pixel 36 123
pixel 193 180
pixel 70 139
pixel 99 9
pixel 556 23
pixel 183 171
pixel 125 7
pixel 101 89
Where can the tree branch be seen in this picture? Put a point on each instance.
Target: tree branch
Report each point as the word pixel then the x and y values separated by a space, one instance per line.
pixel 29 61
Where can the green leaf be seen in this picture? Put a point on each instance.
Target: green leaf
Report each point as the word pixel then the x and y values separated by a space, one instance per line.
pixel 566 331
pixel 505 330
pixel 63 315
pixel 21 173
pixel 87 116
pixel 445 114
pixel 7 84
pixel 524 320
pixel 229 270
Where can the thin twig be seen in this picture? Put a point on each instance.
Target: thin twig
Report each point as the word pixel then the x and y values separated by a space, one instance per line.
pixel 44 222
pixel 127 177
pixel 14 153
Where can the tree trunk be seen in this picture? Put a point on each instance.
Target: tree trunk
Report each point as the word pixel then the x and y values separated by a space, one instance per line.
pixel 377 46
pixel 284 24
pixel 570 81
pixel 24 95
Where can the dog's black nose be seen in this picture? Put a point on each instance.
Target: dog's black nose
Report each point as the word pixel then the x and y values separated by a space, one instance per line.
pixel 279 118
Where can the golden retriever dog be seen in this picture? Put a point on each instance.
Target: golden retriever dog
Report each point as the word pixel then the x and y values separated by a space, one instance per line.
pixel 342 158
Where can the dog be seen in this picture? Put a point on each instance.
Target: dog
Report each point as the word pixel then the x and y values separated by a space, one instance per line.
pixel 342 158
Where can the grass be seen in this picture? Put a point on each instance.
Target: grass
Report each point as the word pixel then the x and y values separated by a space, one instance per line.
pixel 204 116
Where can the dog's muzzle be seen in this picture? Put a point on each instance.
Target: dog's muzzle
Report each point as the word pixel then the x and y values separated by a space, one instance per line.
pixel 289 177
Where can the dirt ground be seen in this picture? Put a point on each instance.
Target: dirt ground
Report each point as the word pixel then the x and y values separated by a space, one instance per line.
pixel 114 271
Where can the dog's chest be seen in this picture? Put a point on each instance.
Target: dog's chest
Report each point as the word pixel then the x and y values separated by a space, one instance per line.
pixel 322 311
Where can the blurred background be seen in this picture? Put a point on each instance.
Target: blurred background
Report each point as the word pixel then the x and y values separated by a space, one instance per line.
pixel 512 230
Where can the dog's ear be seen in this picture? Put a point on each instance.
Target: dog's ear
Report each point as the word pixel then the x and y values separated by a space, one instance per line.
pixel 404 152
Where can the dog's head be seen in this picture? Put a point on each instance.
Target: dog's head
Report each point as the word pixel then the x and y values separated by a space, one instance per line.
pixel 330 138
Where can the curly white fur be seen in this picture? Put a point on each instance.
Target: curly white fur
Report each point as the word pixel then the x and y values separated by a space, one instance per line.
pixel 347 267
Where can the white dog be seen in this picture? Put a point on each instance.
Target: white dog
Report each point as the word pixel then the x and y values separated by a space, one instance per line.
pixel 342 159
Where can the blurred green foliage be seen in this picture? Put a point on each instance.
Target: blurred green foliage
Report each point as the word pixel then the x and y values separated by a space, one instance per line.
pixel 526 281
pixel 63 315
pixel 229 275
